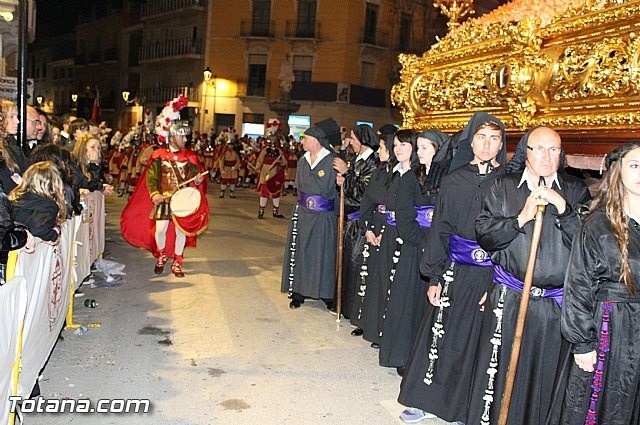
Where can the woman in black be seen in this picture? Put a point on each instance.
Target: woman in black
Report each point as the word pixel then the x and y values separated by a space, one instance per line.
pixel 601 305
pixel 377 253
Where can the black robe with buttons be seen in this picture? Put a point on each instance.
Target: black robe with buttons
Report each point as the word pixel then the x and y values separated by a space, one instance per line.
pixel 447 396
pixel 356 180
pixel 542 345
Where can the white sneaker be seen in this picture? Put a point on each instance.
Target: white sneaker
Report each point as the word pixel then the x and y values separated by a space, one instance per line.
pixel 412 415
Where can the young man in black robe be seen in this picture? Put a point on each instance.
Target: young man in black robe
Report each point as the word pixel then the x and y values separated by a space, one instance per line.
pixel 504 228
pixel 440 371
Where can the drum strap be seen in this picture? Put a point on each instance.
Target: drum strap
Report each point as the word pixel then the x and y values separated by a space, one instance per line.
pixel 177 173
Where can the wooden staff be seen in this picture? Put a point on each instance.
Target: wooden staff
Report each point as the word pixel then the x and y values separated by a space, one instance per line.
pixel 522 314
pixel 340 248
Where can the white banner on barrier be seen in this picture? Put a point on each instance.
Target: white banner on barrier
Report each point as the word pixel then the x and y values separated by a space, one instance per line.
pixel 47 274
pixel 13 305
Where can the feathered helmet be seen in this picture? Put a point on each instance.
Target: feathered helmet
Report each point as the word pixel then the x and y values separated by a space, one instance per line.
pixel 273 125
pixel 168 121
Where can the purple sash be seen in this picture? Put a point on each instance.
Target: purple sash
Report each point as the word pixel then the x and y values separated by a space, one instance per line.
pixel 354 215
pixel 467 252
pixel 316 203
pixel 425 216
pixel 504 278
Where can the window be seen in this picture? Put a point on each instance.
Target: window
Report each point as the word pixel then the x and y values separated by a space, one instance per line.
pixel 306 24
pixel 404 43
pixel 370 23
pixel 302 66
pixel 367 71
pixel 261 15
pixel 257 75
pixel 253 118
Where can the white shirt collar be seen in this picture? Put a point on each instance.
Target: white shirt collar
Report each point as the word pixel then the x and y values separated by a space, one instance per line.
pixel 398 168
pixel 525 178
pixel 323 152
pixel 364 155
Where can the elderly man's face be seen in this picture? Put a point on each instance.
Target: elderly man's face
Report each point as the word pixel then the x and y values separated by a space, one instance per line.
pixel 33 123
pixel 543 152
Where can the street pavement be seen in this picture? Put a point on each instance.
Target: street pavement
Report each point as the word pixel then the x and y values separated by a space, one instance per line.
pixel 219 346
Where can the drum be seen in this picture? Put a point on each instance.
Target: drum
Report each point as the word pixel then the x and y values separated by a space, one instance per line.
pixel 185 201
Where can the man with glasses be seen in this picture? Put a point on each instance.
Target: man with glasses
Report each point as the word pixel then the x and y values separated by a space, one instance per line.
pixel 35 128
pixel 504 228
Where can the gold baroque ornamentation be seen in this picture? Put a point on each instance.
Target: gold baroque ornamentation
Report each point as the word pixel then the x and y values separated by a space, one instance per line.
pixel 601 70
pixel 566 75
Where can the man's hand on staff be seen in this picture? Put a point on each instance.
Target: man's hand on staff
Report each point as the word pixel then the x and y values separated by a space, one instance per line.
pixel 157 199
pixel 542 195
pixel 199 179
pixel 339 165
pixel 535 199
pixel 586 361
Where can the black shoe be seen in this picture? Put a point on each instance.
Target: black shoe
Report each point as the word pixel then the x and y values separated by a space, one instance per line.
pixel 357 332
pixel 375 345
pixel 221 195
pixel 400 370
pixel 295 304
pixel 232 195
pixel 331 306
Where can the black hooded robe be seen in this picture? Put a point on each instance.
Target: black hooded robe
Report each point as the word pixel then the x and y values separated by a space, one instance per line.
pixel 542 346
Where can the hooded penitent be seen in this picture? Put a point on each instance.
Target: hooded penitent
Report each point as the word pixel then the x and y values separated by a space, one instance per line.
pixel 463 153
pixel 367 136
pixel 518 161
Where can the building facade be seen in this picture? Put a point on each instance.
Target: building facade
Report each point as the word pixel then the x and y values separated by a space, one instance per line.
pixel 343 55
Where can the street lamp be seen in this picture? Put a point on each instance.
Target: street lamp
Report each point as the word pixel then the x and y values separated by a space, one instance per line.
pixel 210 80
pixel 125 95
pixel 39 99
pixel 74 99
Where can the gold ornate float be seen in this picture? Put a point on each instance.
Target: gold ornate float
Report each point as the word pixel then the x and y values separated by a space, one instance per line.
pixel 573 65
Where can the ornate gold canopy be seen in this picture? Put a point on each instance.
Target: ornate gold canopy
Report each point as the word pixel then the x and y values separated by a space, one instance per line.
pixel 578 70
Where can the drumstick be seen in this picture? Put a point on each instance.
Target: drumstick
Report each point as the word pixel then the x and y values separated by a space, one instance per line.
pixel 192 179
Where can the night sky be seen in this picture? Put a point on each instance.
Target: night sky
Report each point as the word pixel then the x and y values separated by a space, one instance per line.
pixel 55 17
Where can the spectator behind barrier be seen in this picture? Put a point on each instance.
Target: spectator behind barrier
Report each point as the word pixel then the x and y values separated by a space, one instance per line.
pixel 62 160
pixel 86 170
pixel 38 201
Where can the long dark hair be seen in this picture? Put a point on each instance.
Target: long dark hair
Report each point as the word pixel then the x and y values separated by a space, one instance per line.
pixel 404 136
pixel 612 196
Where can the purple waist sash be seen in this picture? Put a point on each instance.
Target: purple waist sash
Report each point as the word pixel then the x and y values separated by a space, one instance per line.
pixel 354 215
pixel 316 203
pixel 504 278
pixel 467 252
pixel 424 217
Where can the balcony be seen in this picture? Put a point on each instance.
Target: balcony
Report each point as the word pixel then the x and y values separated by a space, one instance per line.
pixel 247 90
pixel 111 54
pixel 328 92
pixel 181 48
pixel 377 39
pixel 298 30
pixel 163 94
pixel 156 8
pixel 257 29
pixel 93 58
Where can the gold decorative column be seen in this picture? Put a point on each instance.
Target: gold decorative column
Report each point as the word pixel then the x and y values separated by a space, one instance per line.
pixel 455 10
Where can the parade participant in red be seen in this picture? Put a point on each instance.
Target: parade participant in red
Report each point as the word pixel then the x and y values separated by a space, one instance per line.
pixel 229 165
pixel 292 165
pixel 271 163
pixel 150 219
